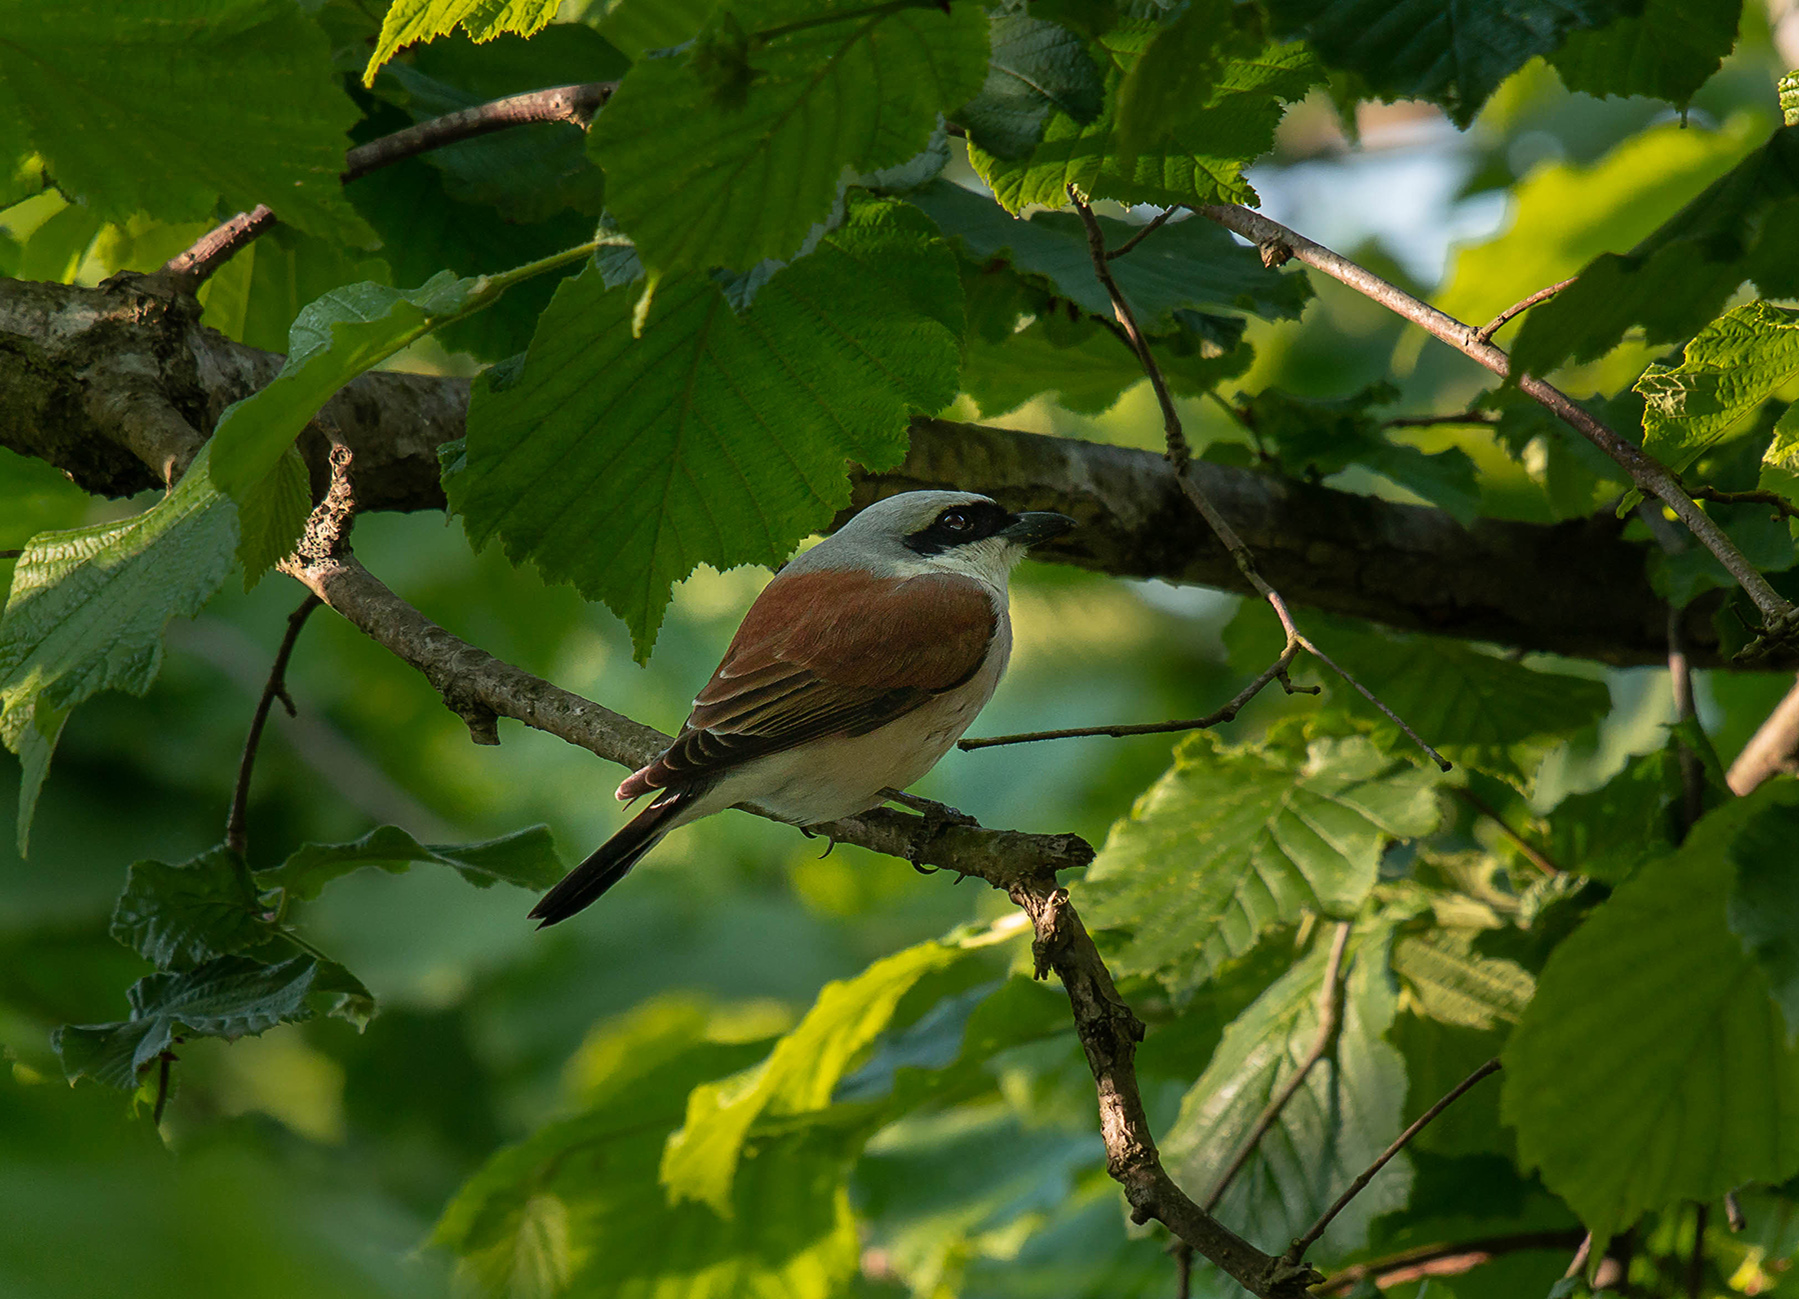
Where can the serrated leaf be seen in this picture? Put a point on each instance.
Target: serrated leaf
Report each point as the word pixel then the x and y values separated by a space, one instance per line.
pixel 1344 1114
pixel 1192 264
pixel 525 858
pixel 1036 66
pixel 1763 909
pixel 409 22
pixel 1680 275
pixel 1175 72
pixel 87 608
pixel 332 341
pixel 690 162
pixel 1625 1078
pixel 703 1158
pixel 232 996
pixel 620 463
pixel 1789 98
pixel 272 516
pixel 1452 983
pixel 791 1232
pixel 115 96
pixel 177 917
pixel 1726 372
pixel 1667 51
pixel 1232 841
pixel 1455 55
pixel 1204 161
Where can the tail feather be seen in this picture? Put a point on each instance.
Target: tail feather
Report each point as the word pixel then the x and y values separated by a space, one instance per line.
pixel 611 861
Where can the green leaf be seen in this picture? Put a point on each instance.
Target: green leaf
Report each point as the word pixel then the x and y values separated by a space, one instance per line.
pixel 1478 709
pixel 332 341
pixel 704 1158
pixel 621 462
pixel 1565 215
pixel 1626 1078
pixel 1789 98
pixel 1763 909
pixel 1344 1114
pixel 1680 275
pixel 1175 73
pixel 1452 983
pixel 1233 841
pixel 1202 163
pixel 639 26
pixel 87 608
pixel 273 515
pixel 177 917
pixel 1667 51
pixel 790 1232
pixel 1727 371
pixel 232 996
pixel 116 97
pixel 1455 55
pixel 525 858
pixel 1035 67
pixel 409 22
pixel 1191 264
pixel 690 162
pixel 1611 831
pixel 255 296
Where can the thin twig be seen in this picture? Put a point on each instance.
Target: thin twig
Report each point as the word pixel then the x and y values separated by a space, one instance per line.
pixel 1692 768
pixel 11 554
pixel 1330 1015
pixel 1781 505
pixel 1180 457
pixel 1275 671
pixel 1485 333
pixel 236 836
pixel 1432 421
pixel 1299 1247
pixel 1447 1259
pixel 1653 478
pixel 1733 1212
pixel 1582 1253
pixel 1536 855
pixel 1183 1269
pixel 1144 233
pixel 574 104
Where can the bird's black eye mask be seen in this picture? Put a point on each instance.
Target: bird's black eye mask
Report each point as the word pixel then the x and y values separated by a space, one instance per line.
pixel 958 525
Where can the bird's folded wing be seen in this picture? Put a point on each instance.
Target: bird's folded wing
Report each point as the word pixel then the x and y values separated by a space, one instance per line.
pixel 830 653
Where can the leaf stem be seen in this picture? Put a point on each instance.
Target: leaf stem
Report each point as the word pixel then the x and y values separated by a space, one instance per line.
pixel 236 831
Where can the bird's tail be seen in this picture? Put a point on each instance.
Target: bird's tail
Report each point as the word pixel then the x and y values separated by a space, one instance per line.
pixel 612 860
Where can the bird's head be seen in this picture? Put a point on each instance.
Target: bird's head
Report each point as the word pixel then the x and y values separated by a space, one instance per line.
pixel 938 532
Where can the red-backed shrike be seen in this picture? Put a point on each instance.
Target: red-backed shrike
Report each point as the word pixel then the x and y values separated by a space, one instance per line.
pixel 857 668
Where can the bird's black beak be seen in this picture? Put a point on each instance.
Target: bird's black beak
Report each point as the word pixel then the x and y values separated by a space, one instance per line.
pixel 1033 526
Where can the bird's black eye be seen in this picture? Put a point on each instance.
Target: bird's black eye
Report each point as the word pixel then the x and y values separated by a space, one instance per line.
pixel 955 520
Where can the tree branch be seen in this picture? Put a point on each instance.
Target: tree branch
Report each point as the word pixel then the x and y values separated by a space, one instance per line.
pixel 116 385
pixel 236 836
pixel 1485 333
pixel 1771 749
pixel 1654 479
pixel 1525 846
pixel 575 104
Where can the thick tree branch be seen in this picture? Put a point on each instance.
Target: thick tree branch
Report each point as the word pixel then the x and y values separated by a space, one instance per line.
pixel 1654 479
pixel 114 386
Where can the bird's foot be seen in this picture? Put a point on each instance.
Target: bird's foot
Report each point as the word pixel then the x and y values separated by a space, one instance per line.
pixel 936 816
pixel 830 842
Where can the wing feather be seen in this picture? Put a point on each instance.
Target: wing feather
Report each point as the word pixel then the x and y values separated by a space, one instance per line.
pixel 827 653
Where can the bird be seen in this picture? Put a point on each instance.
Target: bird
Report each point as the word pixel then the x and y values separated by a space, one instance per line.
pixel 857 667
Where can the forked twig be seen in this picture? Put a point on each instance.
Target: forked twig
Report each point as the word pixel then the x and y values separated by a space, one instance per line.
pixel 1485 332
pixel 236 833
pixel 1180 456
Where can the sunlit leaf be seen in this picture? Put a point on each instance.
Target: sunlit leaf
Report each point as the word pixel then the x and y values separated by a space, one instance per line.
pixel 1727 371
pixel 1451 982
pixel 411 21
pixel 1234 840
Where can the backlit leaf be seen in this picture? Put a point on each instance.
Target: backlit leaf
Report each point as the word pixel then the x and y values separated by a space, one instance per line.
pixel 1727 371
pixel 411 21
pixel 1035 66
pixel 1668 51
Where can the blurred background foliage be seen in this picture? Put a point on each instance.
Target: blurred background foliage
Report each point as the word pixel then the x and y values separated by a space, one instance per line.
pixel 316 1159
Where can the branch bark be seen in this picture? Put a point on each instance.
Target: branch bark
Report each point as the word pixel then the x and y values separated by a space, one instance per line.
pixel 1650 475
pixel 115 386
